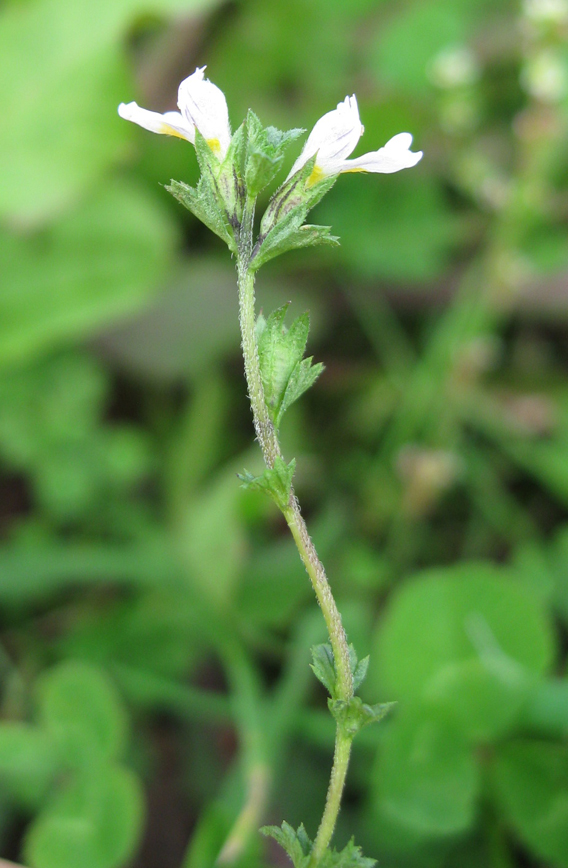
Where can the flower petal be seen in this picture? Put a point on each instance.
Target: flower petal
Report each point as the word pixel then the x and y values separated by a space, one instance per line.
pixel 204 106
pixel 169 124
pixel 393 157
pixel 333 138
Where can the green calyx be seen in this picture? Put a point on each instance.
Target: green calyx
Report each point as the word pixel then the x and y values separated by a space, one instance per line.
pixel 228 187
pixel 266 149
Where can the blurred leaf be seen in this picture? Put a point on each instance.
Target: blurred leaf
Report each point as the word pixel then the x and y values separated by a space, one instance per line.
pixel 212 540
pixel 60 399
pixel 159 633
pixel 102 261
pixel 314 56
pixel 461 613
pixel 469 643
pixel 81 708
pixel 531 786
pixel 484 702
pixel 60 129
pixel 407 43
pixel 32 573
pixel 426 778
pixel 28 762
pixel 95 823
pixel 213 826
pixel 274 585
pixel 396 227
pixel 194 322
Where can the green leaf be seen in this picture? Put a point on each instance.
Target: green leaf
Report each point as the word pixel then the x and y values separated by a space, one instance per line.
pixel 468 639
pixel 486 701
pixel 323 667
pixel 412 37
pixel 405 229
pixel 356 714
pixel 296 844
pixel 529 781
pixel 350 857
pixel 427 777
pixel 305 236
pixel 95 822
pixel 531 786
pixel 79 57
pixel 359 670
pixel 214 559
pixel 205 202
pixel 103 260
pixel 32 572
pixel 298 847
pixel 81 709
pixel 302 377
pixel 276 481
pixel 285 375
pixel 60 132
pixel 28 762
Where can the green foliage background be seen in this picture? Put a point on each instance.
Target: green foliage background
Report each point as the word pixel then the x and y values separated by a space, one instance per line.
pixel 155 621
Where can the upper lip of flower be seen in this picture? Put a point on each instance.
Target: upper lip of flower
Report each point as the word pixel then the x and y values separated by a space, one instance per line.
pixel 335 136
pixel 202 106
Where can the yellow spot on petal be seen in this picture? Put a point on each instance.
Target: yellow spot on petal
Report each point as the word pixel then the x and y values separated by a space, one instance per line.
pixel 215 145
pixel 166 130
pixel 356 169
pixel 317 175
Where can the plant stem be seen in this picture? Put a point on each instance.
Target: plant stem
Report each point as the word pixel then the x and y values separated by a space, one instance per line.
pixel 341 755
pixel 268 439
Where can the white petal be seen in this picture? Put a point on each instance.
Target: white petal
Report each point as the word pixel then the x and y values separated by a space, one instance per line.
pixel 169 124
pixel 393 157
pixel 333 137
pixel 204 106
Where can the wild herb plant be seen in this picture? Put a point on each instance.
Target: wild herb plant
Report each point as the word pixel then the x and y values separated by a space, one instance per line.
pixel 235 168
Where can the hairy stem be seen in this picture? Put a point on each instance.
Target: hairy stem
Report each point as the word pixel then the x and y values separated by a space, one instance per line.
pixel 268 439
pixel 341 756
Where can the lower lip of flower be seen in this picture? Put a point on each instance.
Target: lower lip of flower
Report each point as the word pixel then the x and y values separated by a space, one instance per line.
pixel 166 130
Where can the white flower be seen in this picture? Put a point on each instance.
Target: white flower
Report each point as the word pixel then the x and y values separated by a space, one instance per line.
pixel 202 106
pixel 335 136
pixel 169 124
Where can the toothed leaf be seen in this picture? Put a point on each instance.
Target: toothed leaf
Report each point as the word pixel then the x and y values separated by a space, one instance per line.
pixel 204 203
pixel 350 857
pixel 360 672
pixel 296 843
pixel 285 375
pixel 323 667
pixel 276 482
pixel 356 714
